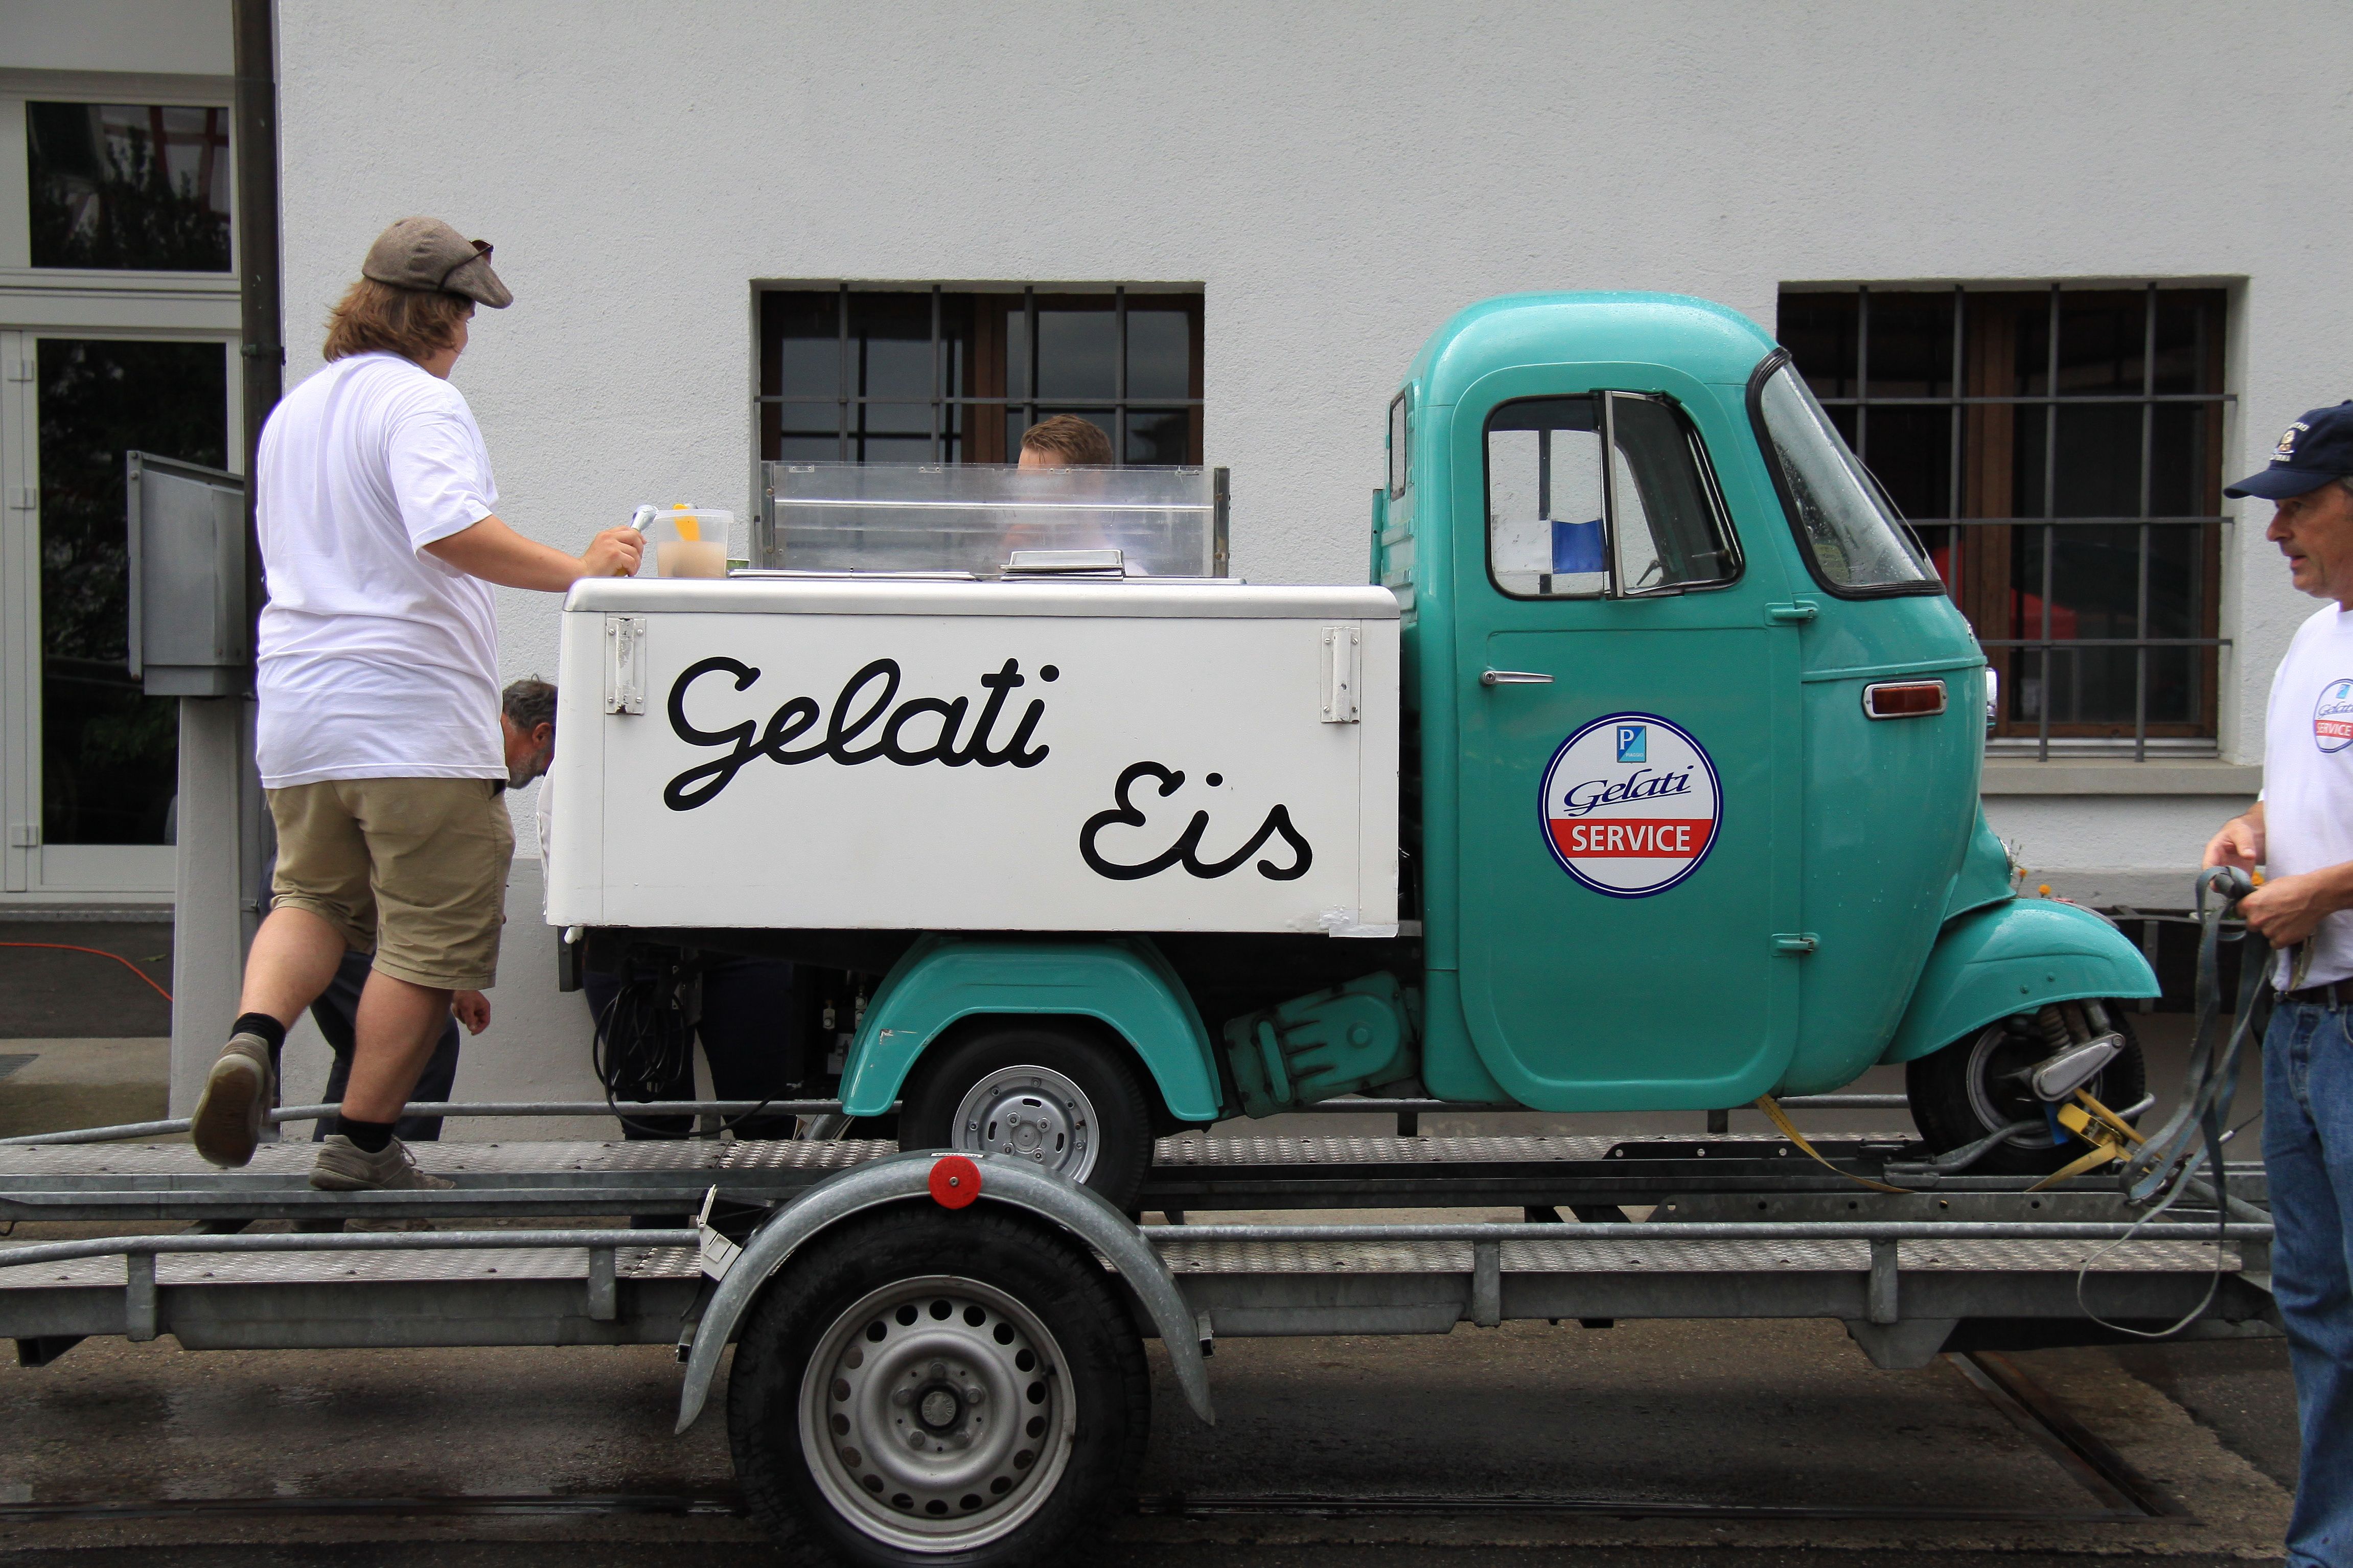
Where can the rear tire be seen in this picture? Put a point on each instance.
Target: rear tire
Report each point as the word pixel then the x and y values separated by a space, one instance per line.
pixel 934 1387
pixel 1961 1093
pixel 1067 1101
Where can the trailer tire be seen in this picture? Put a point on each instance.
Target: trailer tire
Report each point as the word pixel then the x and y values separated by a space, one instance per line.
pixel 1080 1108
pixel 1959 1096
pixel 890 1347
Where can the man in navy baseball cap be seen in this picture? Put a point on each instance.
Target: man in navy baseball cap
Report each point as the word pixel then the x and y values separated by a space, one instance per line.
pixel 2314 450
pixel 2301 834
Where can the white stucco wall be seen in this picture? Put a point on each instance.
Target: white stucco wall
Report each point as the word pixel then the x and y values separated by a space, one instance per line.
pixel 1338 179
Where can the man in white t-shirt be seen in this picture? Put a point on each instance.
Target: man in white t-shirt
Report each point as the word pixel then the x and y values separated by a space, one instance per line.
pixel 2302 832
pixel 378 733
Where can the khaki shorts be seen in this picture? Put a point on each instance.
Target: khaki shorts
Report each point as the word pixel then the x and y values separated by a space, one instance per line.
pixel 414 871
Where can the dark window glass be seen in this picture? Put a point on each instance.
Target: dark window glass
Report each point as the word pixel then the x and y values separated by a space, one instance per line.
pixel 2087 411
pixel 931 375
pixel 129 186
pixel 109 754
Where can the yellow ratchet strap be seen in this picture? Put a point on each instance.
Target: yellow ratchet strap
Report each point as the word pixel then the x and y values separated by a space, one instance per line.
pixel 2103 1129
pixel 1780 1119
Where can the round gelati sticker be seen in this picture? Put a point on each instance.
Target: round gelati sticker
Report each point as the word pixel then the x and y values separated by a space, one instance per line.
pixel 2332 716
pixel 1631 804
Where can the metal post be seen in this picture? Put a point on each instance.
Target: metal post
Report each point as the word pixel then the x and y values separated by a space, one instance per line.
pixel 1862 376
pixel 1030 352
pixel 2049 534
pixel 2147 450
pixel 841 384
pixel 604 1290
pixel 1882 1306
pixel 1119 378
pixel 1487 1283
pixel 937 389
pixel 139 1297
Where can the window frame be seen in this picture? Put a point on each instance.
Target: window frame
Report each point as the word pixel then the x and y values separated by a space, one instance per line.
pixel 989 365
pixel 1401 443
pixel 1969 585
pixel 1767 369
pixel 1606 427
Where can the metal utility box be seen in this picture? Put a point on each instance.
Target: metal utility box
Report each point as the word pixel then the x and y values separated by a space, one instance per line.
pixel 190 634
pixel 1102 754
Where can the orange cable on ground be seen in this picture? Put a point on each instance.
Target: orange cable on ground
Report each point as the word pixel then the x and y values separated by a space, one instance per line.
pixel 62 947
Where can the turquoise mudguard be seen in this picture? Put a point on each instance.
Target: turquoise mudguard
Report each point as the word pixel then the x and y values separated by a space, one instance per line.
pixel 1122 980
pixel 2012 958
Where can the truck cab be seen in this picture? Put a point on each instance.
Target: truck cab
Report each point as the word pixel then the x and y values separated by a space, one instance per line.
pixel 1642 775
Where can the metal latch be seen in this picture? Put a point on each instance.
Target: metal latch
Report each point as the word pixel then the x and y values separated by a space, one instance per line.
pixel 625 664
pixel 1339 674
pixel 1796 941
pixel 23 836
pixel 1792 615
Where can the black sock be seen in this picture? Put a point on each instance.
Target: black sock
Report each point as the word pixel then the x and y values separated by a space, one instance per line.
pixel 368 1137
pixel 272 1032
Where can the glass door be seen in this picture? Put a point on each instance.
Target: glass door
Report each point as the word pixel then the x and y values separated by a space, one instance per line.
pixel 91 777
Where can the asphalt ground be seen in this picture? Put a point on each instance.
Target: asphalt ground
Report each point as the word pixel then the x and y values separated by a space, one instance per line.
pixel 1613 1427
pixel 47 993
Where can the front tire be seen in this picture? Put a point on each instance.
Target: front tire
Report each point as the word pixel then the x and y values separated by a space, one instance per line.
pixel 1066 1101
pixel 936 1387
pixel 1963 1092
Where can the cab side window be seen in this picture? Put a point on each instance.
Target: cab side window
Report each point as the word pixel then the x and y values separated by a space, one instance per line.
pixel 1545 532
pixel 1561 525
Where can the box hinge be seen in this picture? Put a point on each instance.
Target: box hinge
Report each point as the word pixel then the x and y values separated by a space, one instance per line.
pixel 1338 682
pixel 625 664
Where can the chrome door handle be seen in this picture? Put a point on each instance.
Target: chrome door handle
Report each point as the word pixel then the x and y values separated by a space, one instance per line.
pixel 1513 678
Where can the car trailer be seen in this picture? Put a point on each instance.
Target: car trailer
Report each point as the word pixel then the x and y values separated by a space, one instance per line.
pixel 921 1337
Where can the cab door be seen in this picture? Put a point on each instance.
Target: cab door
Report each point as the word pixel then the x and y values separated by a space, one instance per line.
pixel 1629 755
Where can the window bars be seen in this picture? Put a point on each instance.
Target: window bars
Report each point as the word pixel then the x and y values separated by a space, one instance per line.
pixel 944 395
pixel 2031 602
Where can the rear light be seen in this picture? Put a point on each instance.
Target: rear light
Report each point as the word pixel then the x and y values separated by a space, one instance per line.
pixel 1903 700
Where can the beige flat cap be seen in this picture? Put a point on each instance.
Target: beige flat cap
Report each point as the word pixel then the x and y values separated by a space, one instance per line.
pixel 426 253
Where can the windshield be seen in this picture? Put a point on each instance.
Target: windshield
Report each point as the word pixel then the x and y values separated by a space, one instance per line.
pixel 1855 539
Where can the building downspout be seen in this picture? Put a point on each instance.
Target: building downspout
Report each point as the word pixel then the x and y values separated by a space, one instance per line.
pixel 224 836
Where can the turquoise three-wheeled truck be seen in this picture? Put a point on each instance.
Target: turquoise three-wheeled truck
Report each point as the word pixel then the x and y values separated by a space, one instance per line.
pixel 1642 777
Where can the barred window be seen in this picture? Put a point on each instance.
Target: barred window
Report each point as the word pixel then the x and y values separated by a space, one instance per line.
pixel 2059 452
pixel 857 374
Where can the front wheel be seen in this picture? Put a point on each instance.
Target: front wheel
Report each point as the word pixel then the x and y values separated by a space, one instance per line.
pixel 936 1386
pixel 1970 1089
pixel 1065 1100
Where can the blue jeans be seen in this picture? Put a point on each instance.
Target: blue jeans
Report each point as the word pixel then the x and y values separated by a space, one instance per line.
pixel 2309 1159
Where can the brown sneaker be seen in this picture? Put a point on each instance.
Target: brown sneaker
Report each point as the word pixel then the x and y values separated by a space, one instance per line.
pixel 237 1093
pixel 345 1167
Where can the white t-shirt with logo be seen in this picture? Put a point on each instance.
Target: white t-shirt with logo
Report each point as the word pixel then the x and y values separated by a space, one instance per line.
pixel 376 660
pixel 2309 775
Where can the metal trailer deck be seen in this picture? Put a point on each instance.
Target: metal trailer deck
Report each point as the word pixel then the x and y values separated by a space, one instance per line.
pixel 1739 1227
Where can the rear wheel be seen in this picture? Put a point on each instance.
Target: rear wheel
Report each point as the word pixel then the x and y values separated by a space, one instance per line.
pixel 1970 1089
pixel 1067 1102
pixel 937 1386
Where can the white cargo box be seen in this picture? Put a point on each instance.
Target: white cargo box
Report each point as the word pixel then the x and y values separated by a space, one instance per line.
pixel 1088 755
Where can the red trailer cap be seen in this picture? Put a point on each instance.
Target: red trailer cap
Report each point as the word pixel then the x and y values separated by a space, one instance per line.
pixel 955 1181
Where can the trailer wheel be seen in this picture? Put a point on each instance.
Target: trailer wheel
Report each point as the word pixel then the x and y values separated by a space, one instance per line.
pixel 1964 1092
pixel 1067 1101
pixel 934 1386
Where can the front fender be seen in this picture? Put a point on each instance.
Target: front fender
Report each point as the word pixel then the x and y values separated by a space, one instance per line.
pixel 1004 1179
pixel 1123 981
pixel 2013 958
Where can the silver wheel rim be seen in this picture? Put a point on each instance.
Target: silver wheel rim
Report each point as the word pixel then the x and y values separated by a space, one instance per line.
pixel 936 1413
pixel 1982 1067
pixel 1031 1113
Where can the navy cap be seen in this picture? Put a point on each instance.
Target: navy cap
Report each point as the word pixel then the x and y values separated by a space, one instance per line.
pixel 2314 450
